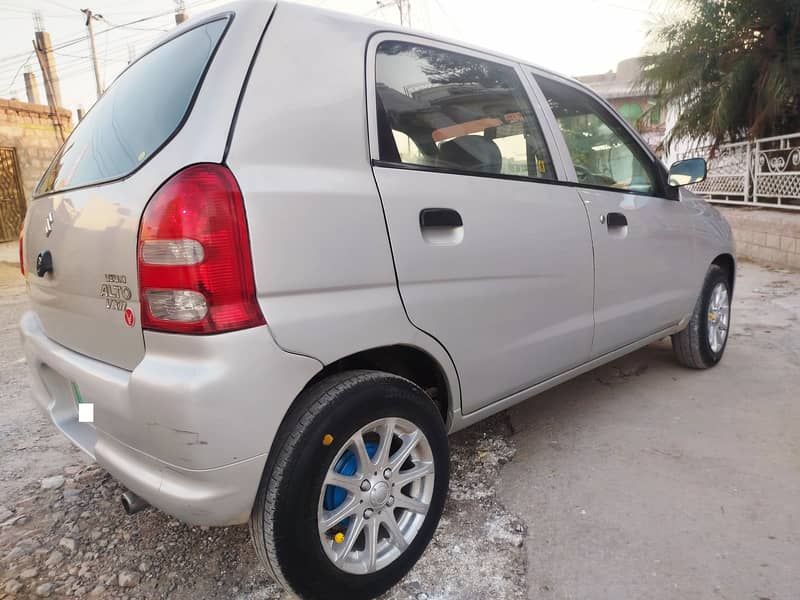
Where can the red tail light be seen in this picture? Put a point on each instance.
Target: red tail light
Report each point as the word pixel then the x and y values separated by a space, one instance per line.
pixel 21 253
pixel 195 268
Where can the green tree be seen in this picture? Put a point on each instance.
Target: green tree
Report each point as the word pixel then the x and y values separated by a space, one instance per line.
pixel 731 67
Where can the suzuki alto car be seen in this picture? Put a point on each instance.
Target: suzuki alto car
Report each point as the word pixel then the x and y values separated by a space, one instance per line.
pixel 289 251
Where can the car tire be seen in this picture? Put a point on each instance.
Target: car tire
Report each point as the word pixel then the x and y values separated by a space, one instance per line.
pixel 319 440
pixel 702 343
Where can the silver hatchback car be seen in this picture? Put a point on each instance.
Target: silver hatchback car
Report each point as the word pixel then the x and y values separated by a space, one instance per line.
pixel 289 251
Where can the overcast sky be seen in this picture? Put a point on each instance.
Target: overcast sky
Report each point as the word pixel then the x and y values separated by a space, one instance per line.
pixel 575 37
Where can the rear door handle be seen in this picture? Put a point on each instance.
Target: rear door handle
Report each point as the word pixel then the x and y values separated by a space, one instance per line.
pixel 439 217
pixel 615 219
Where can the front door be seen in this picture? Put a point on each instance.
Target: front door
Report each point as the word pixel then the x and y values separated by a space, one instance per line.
pixel 493 256
pixel 643 241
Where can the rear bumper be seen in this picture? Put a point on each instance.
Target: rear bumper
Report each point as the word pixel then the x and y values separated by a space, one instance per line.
pixel 189 429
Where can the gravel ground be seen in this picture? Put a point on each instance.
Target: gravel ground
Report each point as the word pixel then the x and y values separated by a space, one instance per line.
pixel 640 479
pixel 63 532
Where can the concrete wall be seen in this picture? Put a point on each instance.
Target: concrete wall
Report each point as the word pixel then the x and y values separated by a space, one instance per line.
pixel 767 236
pixel 32 132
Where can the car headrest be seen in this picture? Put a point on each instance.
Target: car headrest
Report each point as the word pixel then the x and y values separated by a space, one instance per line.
pixel 470 153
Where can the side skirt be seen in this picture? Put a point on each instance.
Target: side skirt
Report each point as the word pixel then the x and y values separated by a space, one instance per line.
pixel 460 421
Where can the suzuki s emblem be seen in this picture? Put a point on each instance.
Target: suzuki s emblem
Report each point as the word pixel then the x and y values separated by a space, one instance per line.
pixel 48 223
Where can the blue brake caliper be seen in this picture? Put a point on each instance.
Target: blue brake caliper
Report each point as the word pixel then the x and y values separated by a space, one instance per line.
pixel 346 465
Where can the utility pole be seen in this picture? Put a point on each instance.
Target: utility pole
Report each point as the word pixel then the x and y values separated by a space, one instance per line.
pixel 403 7
pixel 90 16
pixel 31 86
pixel 47 63
pixel 180 12
pixel 51 91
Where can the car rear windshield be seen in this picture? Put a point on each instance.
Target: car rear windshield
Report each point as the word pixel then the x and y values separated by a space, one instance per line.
pixel 135 117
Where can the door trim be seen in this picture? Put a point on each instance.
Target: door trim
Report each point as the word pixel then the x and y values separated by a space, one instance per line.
pixel 449 171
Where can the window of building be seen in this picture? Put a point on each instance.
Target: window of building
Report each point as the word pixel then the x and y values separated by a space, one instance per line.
pixel 631 112
pixel 655 115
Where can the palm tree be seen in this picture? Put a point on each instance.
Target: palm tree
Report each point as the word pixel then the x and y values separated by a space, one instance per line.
pixel 730 67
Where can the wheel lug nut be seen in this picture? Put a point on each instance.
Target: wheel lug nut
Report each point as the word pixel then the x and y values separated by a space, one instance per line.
pixel 387 473
pixel 368 513
pixel 390 501
pixel 365 485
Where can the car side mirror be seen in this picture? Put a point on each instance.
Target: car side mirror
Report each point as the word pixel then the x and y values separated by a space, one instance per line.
pixel 687 172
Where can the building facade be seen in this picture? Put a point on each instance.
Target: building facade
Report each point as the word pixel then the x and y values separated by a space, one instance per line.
pixel 30 135
pixel 622 90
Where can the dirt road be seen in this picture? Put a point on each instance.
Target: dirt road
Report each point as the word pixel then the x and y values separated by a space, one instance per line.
pixel 642 479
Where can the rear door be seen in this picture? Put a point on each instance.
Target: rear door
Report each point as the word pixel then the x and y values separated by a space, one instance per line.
pixel 493 256
pixel 643 235
pixel 85 216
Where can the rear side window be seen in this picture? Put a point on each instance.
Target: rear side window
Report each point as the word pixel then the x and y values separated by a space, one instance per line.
pixel 448 111
pixel 135 117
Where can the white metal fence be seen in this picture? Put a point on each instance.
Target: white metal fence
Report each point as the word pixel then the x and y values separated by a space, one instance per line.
pixel 765 172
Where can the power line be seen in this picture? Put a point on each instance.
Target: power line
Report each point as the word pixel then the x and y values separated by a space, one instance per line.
pixel 125 25
pixel 6 68
pixel 59 53
pixel 116 52
pixel 447 16
pixel 64 65
pixel 403 6
pixel 107 22
pixel 64 6
pixel 14 79
pixel 20 9
pixel 81 38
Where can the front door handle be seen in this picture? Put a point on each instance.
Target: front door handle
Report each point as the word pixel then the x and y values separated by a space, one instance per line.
pixel 615 219
pixel 439 217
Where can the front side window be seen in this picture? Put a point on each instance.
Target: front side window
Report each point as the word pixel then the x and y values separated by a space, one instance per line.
pixel 602 150
pixel 137 114
pixel 450 111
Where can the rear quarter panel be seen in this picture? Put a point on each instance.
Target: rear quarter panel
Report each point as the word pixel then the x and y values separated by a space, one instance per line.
pixel 96 227
pixel 323 265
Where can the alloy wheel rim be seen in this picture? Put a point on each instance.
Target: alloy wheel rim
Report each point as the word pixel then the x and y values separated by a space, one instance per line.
pixel 375 496
pixel 719 312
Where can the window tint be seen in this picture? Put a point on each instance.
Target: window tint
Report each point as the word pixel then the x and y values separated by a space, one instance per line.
pixel 602 150
pixel 449 111
pixel 137 114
